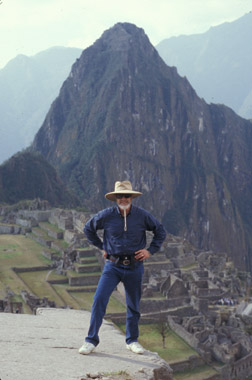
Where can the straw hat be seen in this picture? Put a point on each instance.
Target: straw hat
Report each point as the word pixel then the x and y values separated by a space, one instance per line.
pixel 123 187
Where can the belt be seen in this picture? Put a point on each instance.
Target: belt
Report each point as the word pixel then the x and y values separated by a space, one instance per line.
pixel 122 259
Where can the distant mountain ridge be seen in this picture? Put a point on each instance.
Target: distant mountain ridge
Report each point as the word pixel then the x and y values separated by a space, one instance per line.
pixel 28 87
pixel 124 114
pixel 217 63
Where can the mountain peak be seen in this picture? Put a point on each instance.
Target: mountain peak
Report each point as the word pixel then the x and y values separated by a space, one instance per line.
pixel 123 113
pixel 123 36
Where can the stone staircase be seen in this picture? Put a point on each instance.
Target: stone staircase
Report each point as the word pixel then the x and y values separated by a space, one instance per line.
pixel 88 265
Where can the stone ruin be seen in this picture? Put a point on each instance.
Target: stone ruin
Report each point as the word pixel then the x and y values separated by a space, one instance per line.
pixel 21 221
pixel 34 302
pixel 7 305
pixel 192 284
pixel 216 330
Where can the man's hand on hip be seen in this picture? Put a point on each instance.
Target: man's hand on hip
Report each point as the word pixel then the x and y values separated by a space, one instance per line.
pixel 142 254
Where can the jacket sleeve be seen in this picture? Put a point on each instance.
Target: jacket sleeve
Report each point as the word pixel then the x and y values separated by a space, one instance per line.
pixel 90 230
pixel 159 232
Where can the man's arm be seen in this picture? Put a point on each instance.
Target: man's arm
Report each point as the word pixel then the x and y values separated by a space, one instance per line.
pixel 159 233
pixel 90 230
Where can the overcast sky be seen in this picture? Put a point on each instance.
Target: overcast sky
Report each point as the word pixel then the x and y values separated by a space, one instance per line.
pixel 30 26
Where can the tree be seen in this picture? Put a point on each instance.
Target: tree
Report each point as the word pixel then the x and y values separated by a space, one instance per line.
pixel 163 327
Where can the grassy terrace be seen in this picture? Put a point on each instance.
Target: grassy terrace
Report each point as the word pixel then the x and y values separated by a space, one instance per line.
pixel 85 300
pixel 49 226
pixel 72 273
pixel 37 231
pixel 23 252
pixel 195 374
pixel 176 349
pixel 17 251
pixel 155 296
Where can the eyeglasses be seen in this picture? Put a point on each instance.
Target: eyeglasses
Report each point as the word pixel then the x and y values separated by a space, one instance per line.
pixel 120 196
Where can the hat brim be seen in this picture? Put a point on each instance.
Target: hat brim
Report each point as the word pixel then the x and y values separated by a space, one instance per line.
pixel 112 196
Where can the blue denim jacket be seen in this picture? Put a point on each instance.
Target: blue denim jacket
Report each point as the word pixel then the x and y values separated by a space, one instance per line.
pixel 116 241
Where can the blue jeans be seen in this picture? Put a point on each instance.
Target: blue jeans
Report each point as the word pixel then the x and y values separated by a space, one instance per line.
pixel 110 278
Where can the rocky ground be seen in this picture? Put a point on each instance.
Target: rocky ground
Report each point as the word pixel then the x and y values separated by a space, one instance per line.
pixel 46 346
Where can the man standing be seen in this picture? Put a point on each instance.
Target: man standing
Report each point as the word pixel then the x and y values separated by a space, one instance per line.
pixel 124 242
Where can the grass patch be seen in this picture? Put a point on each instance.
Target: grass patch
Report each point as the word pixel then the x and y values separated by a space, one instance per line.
pixel 62 244
pixel 37 231
pixel 10 253
pixel 85 301
pixel 77 265
pixel 84 249
pixel 17 251
pixel 53 275
pixel 189 267
pixel 155 296
pixel 72 273
pixel 176 349
pixel 51 227
pixel 195 374
pixel 69 300
pixel 36 281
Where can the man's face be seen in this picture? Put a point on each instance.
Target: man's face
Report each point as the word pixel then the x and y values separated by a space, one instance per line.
pixel 124 201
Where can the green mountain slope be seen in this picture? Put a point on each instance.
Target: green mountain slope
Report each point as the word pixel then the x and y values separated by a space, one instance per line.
pixel 29 176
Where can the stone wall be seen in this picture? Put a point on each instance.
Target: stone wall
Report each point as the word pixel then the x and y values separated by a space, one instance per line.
pixel 83 280
pixel 62 281
pixel 57 247
pixel 8 306
pixel 42 241
pixel 173 250
pixel 189 338
pixel 6 229
pixel 40 216
pixel 241 369
pixel 80 219
pixel 185 260
pixel 152 305
pixel 193 361
pixel 51 233
pixel 34 302
pixel 51 255
pixel 26 222
pixel 71 236
pixel 31 269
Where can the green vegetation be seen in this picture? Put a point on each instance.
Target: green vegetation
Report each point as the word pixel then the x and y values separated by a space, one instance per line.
pixel 27 176
pixel 36 282
pixel 85 300
pixel 189 267
pixel 17 251
pixel 195 374
pixel 51 227
pixel 176 349
pixel 22 252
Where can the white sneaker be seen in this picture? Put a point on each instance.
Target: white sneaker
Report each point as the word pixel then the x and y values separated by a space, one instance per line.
pixel 87 348
pixel 135 347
